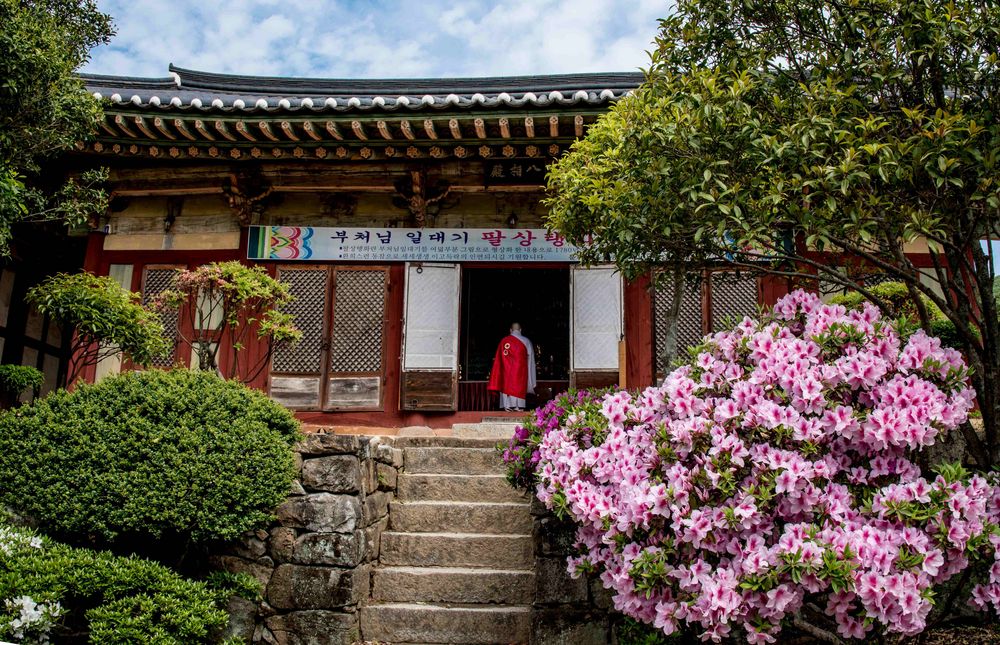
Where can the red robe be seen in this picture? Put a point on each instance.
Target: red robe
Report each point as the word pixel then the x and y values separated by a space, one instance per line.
pixel 510 369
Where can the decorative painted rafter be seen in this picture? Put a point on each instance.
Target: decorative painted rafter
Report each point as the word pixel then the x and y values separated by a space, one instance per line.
pixel 429 129
pixel 181 126
pixel 359 130
pixel 529 127
pixel 140 122
pixel 161 125
pixel 578 125
pixel 334 131
pixel 553 126
pixel 383 129
pixel 310 129
pixel 223 128
pixel 456 130
pixel 107 128
pixel 123 125
pixel 480 127
pixel 242 128
pixel 289 131
pixel 199 125
pixel 505 128
pixel 407 129
pixel 265 127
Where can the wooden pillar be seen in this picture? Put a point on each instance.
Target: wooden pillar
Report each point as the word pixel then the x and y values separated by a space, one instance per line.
pixel 393 339
pixel 639 363
pixel 93 262
pixel 771 289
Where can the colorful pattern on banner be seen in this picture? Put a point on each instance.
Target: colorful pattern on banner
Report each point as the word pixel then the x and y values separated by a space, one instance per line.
pixel 293 243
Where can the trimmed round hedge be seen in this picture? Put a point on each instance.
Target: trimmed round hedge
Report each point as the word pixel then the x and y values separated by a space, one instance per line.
pixel 176 454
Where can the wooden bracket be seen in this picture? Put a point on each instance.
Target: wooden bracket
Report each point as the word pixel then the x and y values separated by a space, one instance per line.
pixel 247 192
pixel 423 201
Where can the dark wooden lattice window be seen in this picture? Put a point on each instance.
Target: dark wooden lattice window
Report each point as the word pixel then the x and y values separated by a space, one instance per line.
pixel 690 322
pixel 309 290
pixel 156 279
pixel 357 339
pixel 338 364
pixel 297 370
pixel 734 295
pixel 359 311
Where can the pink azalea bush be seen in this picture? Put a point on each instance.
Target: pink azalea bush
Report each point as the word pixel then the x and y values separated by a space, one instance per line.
pixel 771 480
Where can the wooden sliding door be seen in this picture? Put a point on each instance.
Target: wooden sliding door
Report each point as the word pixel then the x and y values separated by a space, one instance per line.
pixel 339 364
pixel 430 337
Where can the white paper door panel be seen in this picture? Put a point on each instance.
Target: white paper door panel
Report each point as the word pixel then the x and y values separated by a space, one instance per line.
pixel 597 318
pixel 430 325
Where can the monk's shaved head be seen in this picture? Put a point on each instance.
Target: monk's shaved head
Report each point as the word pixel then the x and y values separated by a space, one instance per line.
pixel 515 326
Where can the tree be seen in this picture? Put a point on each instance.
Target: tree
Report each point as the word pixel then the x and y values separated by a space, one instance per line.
pixel 104 318
pixel 44 109
pixel 226 304
pixel 623 192
pixel 845 136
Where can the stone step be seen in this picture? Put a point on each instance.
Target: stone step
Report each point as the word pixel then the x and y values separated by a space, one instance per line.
pixel 496 431
pixel 443 442
pixel 418 623
pixel 496 551
pixel 452 585
pixel 460 517
pixel 453 461
pixel 457 488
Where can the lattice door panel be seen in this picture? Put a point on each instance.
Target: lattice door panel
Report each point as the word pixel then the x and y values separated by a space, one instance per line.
pixel 690 321
pixel 733 297
pixel 597 318
pixel 154 282
pixel 432 305
pixel 430 337
pixel 357 338
pixel 309 289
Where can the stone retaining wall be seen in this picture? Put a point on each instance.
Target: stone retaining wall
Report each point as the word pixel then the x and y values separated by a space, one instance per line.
pixel 565 610
pixel 314 563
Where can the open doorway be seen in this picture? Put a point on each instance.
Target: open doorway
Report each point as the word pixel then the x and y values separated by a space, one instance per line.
pixel 494 298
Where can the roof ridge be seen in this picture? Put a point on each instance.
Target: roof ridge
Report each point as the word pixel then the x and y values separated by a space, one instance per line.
pixel 605 80
pixel 209 91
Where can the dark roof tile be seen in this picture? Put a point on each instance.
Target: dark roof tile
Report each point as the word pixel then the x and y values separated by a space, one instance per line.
pixel 205 91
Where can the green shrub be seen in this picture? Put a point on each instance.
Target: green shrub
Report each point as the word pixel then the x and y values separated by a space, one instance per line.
pixel 896 296
pixel 179 454
pixel 15 379
pixel 105 317
pixel 97 597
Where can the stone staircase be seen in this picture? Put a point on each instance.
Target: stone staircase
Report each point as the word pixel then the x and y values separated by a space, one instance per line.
pixel 456 561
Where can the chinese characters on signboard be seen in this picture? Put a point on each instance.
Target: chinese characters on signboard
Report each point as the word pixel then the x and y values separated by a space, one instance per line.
pixel 516 171
pixel 291 243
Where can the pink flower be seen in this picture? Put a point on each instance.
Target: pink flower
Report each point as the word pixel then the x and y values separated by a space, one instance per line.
pixel 774 455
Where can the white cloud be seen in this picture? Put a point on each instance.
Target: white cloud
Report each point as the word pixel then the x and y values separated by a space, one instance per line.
pixel 378 38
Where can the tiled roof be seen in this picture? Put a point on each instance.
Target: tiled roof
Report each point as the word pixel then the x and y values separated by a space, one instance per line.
pixel 207 92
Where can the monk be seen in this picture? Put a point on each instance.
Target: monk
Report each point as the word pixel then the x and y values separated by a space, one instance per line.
pixel 513 373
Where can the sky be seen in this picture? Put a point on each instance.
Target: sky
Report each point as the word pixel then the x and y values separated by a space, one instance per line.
pixel 378 38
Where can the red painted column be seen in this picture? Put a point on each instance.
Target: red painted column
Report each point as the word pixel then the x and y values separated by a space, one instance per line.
pixel 93 262
pixel 639 333
pixel 771 289
pixel 393 340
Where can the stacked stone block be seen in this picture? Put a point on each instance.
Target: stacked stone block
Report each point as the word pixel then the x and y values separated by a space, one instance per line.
pixel 315 562
pixel 565 610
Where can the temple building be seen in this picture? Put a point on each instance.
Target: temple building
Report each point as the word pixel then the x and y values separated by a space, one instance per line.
pixel 407 217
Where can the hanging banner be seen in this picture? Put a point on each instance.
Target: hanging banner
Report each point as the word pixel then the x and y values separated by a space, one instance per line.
pixel 293 243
